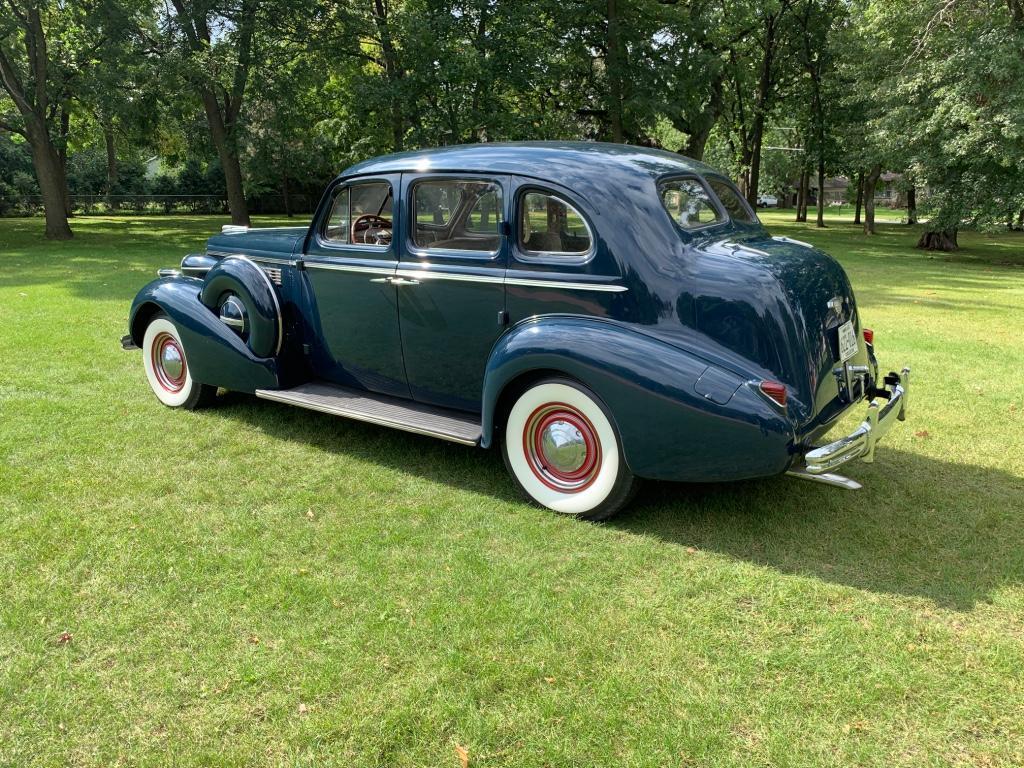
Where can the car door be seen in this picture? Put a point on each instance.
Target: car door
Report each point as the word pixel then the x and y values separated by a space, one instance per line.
pixel 450 281
pixel 350 264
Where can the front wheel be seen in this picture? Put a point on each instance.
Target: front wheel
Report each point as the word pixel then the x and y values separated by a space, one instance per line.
pixel 163 356
pixel 564 452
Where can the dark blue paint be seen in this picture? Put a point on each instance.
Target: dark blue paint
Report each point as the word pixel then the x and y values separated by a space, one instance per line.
pixel 216 355
pixel 676 357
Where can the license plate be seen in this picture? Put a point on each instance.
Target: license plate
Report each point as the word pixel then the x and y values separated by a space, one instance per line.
pixel 847 341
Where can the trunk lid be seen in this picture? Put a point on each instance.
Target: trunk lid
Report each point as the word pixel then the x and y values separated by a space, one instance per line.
pixel 820 299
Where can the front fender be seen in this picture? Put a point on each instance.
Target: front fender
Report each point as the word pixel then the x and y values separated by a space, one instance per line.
pixel 679 417
pixel 216 354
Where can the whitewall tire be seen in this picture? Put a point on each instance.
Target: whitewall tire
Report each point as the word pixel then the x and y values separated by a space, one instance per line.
pixel 563 450
pixel 163 355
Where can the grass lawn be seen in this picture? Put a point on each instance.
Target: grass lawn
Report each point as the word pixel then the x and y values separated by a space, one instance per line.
pixel 255 584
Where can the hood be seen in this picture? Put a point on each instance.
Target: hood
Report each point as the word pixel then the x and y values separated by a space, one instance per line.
pixel 269 242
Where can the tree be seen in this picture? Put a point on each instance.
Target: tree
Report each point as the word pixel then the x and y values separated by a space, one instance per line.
pixel 218 69
pixel 38 87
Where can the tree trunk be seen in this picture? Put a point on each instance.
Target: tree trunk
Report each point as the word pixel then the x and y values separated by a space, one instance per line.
pixel 870 182
pixel 941 240
pixel 108 139
pixel 285 196
pixel 764 92
pixel 614 74
pixel 62 154
pixel 860 196
pixel 801 197
pixel 821 190
pixel 911 206
pixel 227 151
pixel 46 161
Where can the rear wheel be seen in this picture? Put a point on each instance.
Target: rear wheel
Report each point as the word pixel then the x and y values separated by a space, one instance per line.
pixel 163 356
pixel 564 452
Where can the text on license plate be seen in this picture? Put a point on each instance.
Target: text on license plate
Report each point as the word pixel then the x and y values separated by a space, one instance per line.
pixel 847 341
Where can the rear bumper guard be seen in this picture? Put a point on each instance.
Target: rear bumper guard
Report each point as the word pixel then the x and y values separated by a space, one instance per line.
pixel 888 405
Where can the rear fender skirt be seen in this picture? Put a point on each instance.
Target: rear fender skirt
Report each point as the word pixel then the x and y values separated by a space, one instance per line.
pixel 673 426
pixel 216 354
pixel 241 276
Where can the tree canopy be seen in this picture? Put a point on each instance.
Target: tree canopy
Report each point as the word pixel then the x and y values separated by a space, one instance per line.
pixel 258 97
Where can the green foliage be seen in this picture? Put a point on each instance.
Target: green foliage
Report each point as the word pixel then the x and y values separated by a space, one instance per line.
pixel 257 585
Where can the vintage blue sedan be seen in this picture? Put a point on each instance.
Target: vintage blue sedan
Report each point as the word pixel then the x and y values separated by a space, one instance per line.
pixel 602 312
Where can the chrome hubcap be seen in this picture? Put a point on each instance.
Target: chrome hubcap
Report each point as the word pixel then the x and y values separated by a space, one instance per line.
pixel 170 360
pixel 563 446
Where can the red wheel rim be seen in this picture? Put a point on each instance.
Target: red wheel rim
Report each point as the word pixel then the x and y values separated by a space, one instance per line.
pixel 562 448
pixel 168 359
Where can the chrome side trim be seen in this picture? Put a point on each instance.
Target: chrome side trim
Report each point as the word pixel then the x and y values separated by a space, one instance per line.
pixel 234 229
pixel 273 294
pixel 271 394
pixel 262 259
pixel 784 239
pixel 426 274
pixel 271 260
pixel 605 287
pixel 350 268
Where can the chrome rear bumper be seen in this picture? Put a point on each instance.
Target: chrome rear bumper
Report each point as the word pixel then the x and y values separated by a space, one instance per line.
pixel 888 404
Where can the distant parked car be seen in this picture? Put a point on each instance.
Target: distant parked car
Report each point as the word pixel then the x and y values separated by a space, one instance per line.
pixel 767 201
pixel 602 312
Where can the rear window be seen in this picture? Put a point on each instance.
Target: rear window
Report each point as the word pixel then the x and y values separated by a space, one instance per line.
pixel 689 204
pixel 551 227
pixel 732 202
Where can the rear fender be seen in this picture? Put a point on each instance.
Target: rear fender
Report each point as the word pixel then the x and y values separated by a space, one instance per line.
pixel 679 417
pixel 216 355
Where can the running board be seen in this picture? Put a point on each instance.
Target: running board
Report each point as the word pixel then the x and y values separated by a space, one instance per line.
pixel 395 412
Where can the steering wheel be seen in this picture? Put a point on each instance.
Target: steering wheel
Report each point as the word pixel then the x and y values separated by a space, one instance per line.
pixel 369 221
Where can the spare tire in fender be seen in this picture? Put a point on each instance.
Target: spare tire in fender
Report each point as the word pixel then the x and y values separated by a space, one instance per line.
pixel 241 277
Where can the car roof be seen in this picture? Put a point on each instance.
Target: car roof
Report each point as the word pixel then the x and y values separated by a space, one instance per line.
pixel 558 161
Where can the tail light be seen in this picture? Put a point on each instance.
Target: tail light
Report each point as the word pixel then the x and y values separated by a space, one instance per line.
pixel 869 336
pixel 775 391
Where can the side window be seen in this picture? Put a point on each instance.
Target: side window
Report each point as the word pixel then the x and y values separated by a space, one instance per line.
pixel 361 215
pixel 457 215
pixel 338 220
pixel 732 202
pixel 689 204
pixel 550 226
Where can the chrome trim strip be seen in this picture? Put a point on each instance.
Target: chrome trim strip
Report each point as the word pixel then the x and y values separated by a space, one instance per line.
pixel 234 229
pixel 271 260
pixel 604 287
pixel 167 272
pixel 426 274
pixel 266 259
pixel 350 268
pixel 273 294
pixel 784 239
pixel 280 396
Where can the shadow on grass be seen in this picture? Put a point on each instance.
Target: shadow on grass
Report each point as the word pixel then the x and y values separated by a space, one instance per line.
pixel 919 528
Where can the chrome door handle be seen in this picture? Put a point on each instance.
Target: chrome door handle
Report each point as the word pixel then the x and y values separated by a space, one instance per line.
pixel 404 281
